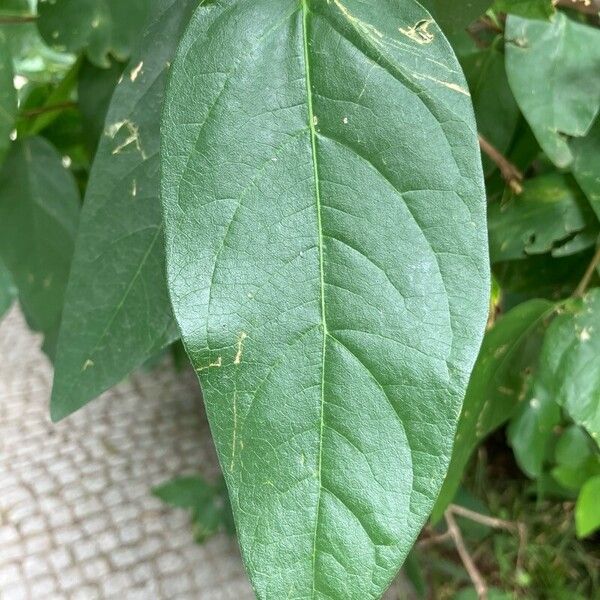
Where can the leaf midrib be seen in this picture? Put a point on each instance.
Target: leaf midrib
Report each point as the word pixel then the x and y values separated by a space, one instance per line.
pixel 313 141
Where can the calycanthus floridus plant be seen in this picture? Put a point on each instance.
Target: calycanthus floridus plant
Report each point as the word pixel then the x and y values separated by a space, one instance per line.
pixel 312 168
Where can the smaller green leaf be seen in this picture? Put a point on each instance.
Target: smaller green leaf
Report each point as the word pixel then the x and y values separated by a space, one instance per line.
pixel 453 20
pixel 550 67
pixel 8 97
pixel 39 212
pixel 530 9
pixel 497 384
pixel 185 492
pixel 569 367
pixel 586 166
pixel 531 432
pixel 551 215
pixel 496 111
pixel 94 93
pixel 573 447
pixel 587 513
pixel 101 27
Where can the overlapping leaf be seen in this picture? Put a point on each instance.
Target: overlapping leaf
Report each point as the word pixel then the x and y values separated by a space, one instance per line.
pixel 117 311
pixel 499 381
pixel 550 67
pixel 101 27
pixel 8 97
pixel 569 366
pixel 551 215
pixel 39 211
pixel 325 223
pixel 586 166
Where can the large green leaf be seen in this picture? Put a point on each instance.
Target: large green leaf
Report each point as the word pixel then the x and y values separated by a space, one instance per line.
pixel 499 381
pixel 551 67
pixel 8 96
pixel 117 310
pixel 551 215
pixel 586 166
pixel 569 365
pixel 327 264
pixel 39 210
pixel 101 27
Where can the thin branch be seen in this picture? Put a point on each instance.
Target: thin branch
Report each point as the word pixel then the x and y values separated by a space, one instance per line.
pixel 34 112
pixel 587 277
pixel 465 557
pixel 493 522
pixel 511 174
pixel 17 20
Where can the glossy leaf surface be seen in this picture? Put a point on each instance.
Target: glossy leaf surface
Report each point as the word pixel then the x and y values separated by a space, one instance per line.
pixel 39 211
pixel 549 66
pixel 327 264
pixel 117 311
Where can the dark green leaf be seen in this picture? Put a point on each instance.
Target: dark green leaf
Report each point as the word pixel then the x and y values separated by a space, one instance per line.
pixel 550 67
pixel 8 291
pixel 495 107
pixel 110 328
pixel 498 382
pixel 587 515
pixel 586 166
pixel 94 92
pixel 8 97
pixel 100 27
pixel 39 210
pixel 551 215
pixel 531 431
pixel 453 18
pixel 573 447
pixel 569 365
pixel 530 9
pixel 327 265
pixel 185 492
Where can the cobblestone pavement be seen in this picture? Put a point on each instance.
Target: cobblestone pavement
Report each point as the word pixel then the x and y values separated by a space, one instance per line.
pixel 77 520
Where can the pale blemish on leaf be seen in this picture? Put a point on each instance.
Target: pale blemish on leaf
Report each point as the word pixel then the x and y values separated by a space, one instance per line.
pixel 133 136
pixel 216 364
pixel 135 72
pixel 87 364
pixel 419 32
pixel 240 348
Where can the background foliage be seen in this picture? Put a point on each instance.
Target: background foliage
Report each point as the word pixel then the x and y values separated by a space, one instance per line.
pixel 81 90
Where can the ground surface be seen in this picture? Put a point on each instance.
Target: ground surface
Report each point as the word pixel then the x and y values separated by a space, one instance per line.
pixel 76 516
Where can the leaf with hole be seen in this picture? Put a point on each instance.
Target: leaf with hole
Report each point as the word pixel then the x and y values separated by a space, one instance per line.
pixel 550 66
pixel 327 263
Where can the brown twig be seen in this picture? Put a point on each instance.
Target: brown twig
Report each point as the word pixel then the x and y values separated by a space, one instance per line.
pixel 587 277
pixel 465 557
pixel 511 174
pixel 493 522
pixel 34 112
pixel 17 20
